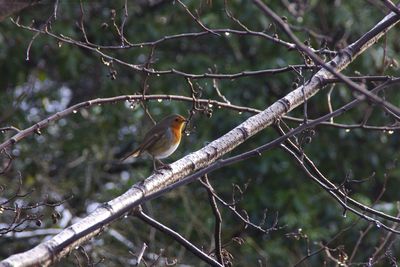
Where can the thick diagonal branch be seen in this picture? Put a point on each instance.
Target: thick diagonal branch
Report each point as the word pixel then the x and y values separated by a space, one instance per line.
pixel 52 250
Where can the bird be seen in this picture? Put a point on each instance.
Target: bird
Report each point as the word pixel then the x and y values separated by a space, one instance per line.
pixel 162 140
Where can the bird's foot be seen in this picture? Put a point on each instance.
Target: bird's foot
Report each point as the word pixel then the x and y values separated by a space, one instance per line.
pixel 163 167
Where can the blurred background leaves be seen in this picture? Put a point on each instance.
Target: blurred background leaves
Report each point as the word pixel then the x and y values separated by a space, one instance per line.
pixel 72 157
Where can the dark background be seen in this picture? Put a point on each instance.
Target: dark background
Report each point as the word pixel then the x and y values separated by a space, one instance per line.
pixel 76 156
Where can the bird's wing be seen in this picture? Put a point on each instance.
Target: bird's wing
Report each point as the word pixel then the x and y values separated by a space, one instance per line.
pixel 150 139
pixel 135 153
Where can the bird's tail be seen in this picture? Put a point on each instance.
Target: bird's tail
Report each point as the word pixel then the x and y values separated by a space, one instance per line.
pixel 135 153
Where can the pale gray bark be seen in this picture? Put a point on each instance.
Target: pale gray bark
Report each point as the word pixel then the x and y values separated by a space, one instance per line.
pixel 51 251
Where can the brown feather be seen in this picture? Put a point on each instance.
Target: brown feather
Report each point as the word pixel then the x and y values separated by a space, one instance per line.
pixel 155 139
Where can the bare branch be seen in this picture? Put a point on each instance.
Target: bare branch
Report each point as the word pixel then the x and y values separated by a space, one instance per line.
pixel 176 236
pixel 50 251
pixel 332 68
pixel 218 219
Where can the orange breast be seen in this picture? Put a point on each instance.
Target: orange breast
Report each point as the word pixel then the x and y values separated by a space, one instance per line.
pixel 177 131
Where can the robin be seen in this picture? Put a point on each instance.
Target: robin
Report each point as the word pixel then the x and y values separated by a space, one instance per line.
pixel 161 140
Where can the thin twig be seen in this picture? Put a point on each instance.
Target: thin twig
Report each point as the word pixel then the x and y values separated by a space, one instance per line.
pixel 394 111
pixel 217 216
pixel 176 236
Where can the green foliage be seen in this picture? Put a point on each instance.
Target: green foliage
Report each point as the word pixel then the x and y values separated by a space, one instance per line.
pixel 77 155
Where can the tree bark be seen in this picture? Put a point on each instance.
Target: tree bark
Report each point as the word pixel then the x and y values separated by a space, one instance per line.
pixel 52 250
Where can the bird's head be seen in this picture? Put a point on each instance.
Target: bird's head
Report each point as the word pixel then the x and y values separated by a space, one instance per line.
pixel 177 121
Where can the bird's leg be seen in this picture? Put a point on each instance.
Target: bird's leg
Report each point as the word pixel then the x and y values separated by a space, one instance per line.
pixel 164 166
pixel 154 163
pixel 156 171
pixel 161 166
